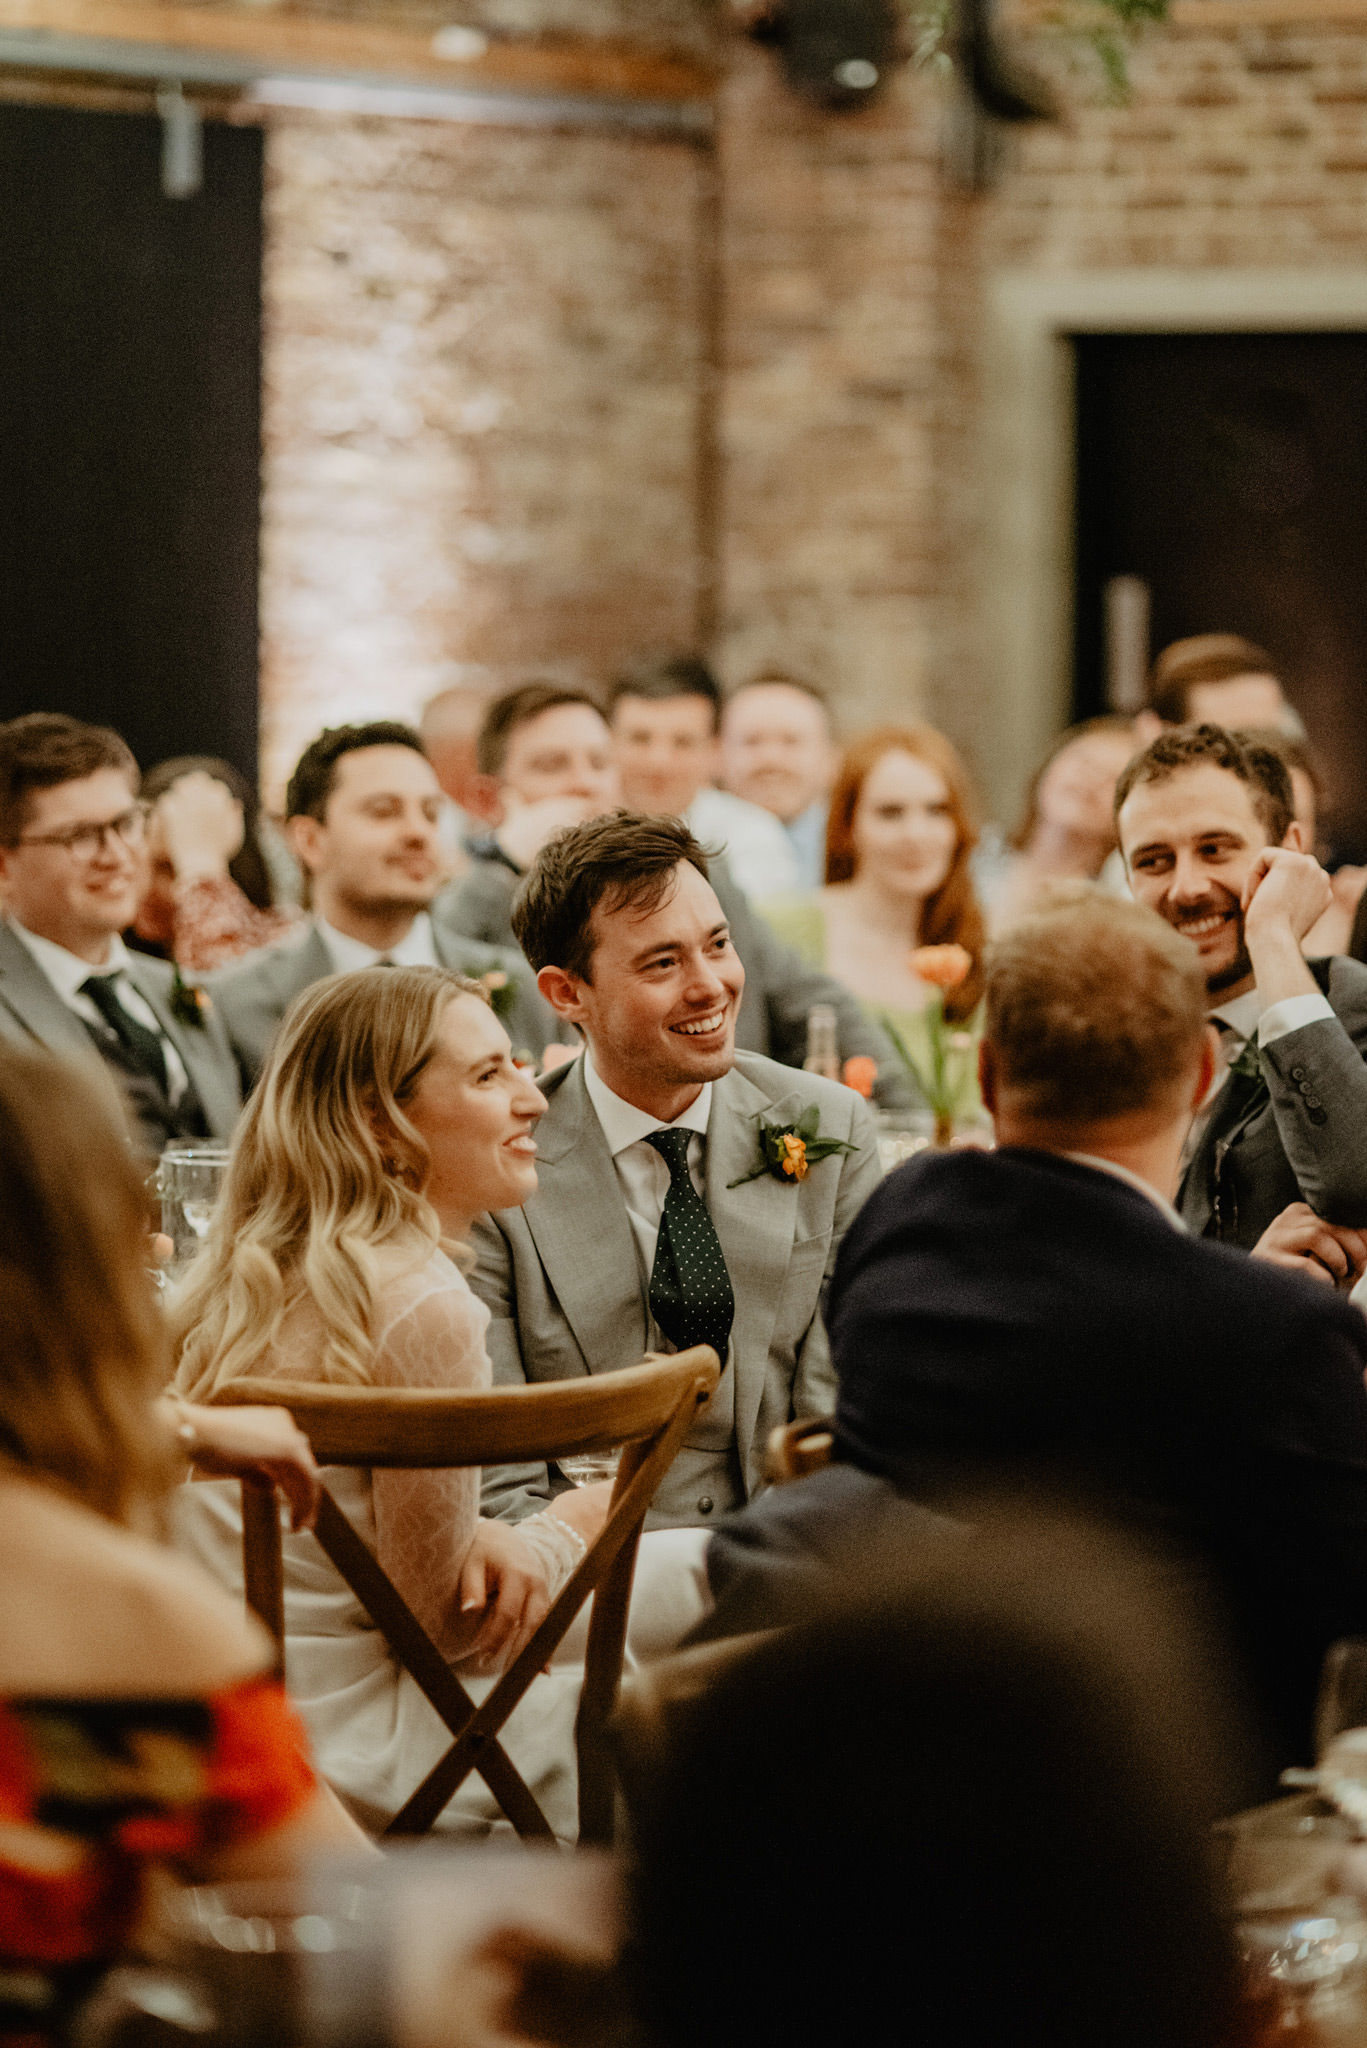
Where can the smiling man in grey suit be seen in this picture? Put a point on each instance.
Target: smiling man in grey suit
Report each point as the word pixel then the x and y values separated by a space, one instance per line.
pixel 72 867
pixel 657 1222
pixel 363 811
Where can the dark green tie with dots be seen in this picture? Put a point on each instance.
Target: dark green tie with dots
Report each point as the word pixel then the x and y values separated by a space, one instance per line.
pixel 690 1288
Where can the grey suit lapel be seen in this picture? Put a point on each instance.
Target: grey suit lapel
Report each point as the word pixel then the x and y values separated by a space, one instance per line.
pixel 36 1003
pixel 579 1225
pixel 309 962
pixel 756 1224
pixel 209 1071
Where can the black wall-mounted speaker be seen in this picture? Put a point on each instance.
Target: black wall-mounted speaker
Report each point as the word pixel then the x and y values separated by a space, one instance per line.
pixel 837 52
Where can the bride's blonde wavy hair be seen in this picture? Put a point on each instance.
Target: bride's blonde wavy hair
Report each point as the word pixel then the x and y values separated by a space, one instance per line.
pixel 325 1170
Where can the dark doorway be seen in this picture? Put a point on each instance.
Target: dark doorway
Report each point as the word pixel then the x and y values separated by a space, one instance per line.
pixel 130 373
pixel 1229 471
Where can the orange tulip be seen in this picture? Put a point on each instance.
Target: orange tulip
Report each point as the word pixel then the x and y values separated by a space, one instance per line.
pixel 860 1072
pixel 944 967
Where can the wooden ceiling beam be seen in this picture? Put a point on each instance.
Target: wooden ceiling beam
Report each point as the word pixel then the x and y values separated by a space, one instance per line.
pixel 317 46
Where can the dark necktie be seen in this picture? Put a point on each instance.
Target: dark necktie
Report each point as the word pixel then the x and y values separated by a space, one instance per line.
pixel 143 1047
pixel 690 1288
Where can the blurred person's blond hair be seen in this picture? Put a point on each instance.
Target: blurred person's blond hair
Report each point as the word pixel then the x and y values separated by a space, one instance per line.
pixel 1095 1008
pixel 326 1171
pixel 85 1351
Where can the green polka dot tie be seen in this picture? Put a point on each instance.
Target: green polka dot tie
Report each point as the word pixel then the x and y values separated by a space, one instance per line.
pixel 690 1288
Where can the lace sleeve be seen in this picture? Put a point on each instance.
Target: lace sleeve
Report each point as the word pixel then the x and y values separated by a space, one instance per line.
pixel 424 1521
pixel 215 924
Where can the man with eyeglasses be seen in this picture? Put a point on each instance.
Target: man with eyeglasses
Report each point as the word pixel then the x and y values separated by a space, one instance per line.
pixel 72 869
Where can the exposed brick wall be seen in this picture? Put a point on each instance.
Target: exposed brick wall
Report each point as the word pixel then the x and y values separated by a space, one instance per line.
pixel 832 386
pixel 1236 148
pixel 481 399
pixel 487 351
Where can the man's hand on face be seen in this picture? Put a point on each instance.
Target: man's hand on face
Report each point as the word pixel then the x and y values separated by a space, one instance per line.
pixel 1285 891
pixel 527 827
pixel 1304 1243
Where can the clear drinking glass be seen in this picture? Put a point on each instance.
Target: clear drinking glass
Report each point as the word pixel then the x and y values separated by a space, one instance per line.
pixel 1301 1924
pixel 1341 1729
pixel 586 1468
pixel 297 1963
pixel 189 1179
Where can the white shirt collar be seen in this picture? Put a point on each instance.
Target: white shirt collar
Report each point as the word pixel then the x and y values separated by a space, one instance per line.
pixel 417 947
pixel 624 1124
pixel 1241 1013
pixel 1133 1180
pixel 66 971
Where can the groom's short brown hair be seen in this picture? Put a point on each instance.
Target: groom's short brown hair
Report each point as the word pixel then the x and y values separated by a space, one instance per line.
pixel 620 860
pixel 1094 1007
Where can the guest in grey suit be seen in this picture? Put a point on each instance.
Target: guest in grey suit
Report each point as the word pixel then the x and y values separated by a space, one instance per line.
pixel 658 1220
pixel 363 812
pixel 1210 841
pixel 547 753
pixel 72 868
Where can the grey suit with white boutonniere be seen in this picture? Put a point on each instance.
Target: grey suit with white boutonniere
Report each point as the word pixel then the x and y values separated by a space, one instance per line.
pixel 566 1287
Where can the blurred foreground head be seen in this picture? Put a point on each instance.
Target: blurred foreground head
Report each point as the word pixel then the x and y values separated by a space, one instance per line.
pixel 85 1349
pixel 966 1808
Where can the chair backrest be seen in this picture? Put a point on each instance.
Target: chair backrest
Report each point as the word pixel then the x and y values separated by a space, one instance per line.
pixel 647 1409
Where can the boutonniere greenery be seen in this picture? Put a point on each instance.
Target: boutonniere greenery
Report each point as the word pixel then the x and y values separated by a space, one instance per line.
pixel 790 1151
pixel 190 1003
pixel 1248 1065
pixel 502 992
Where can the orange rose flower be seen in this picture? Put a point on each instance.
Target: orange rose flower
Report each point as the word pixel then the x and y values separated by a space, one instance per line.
pixel 795 1156
pixel 944 967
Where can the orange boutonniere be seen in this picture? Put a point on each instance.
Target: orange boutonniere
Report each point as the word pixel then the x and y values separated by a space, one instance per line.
pixel 189 1002
pixel 790 1151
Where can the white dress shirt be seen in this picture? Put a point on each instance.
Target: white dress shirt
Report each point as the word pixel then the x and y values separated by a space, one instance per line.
pixel 66 971
pixel 759 853
pixel 417 947
pixel 642 1174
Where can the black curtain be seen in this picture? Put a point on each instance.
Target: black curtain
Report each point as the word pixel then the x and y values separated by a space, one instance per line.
pixel 130 376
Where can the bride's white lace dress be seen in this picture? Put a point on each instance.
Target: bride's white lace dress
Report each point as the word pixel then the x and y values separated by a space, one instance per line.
pixel 374 1734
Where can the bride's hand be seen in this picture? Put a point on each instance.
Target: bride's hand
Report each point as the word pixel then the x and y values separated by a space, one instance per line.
pixel 503 1576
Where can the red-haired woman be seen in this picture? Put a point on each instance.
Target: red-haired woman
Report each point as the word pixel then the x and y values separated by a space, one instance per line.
pixel 898 846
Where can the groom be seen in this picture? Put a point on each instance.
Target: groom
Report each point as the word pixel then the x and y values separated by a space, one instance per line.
pixel 657 1222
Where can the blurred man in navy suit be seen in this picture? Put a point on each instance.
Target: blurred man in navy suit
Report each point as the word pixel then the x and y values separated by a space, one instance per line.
pixel 1038 1317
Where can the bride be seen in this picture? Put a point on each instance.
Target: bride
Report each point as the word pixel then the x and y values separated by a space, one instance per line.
pixel 389 1115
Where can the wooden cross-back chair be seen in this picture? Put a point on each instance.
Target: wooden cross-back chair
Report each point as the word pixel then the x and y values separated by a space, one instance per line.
pixel 647 1409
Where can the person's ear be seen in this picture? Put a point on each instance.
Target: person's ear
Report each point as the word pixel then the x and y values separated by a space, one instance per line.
pixel 306 838
pixel 1297 838
pixel 1146 728
pixel 562 991
pixel 987 1075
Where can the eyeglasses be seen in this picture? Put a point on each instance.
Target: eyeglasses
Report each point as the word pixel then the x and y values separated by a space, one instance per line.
pixel 86 842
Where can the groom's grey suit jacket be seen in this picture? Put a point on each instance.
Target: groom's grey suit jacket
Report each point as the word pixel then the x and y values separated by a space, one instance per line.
pixel 564 1284
pixel 32 1012
pixel 254 996
pixel 1297 1132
